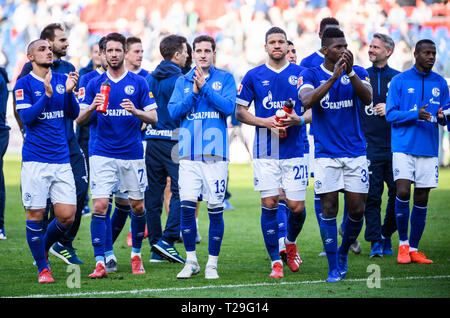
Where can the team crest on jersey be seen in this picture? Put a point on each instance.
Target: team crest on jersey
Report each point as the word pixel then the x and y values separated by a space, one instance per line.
pixel 129 89
pixel 19 94
pixel 81 93
pixel 27 197
pixel 293 80
pixel 435 92
pixel 217 86
pixel 345 80
pixel 60 88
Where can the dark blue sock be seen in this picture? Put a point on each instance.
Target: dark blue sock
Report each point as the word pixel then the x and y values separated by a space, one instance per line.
pixel 216 230
pixel 295 224
pixel 402 218
pixel 118 220
pixel 55 231
pixel 98 235
pixel 351 229
pixel 344 215
pixel 35 239
pixel 317 207
pixel 188 225
pixel 328 232
pixel 269 227
pixel 418 218
pixel 138 222
pixel 108 239
pixel 282 214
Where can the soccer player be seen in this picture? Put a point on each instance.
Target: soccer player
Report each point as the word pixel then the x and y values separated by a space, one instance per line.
pixel 202 100
pixel 56 36
pixel 134 55
pixel 334 90
pixel 377 132
pixel 158 155
pixel 278 162
pixel 414 106
pixel 4 139
pixel 117 162
pixel 43 100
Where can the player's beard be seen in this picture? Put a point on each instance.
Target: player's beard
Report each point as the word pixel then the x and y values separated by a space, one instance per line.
pixel 116 67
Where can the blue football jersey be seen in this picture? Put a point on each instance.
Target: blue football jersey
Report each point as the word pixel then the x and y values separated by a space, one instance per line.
pixel 313 60
pixel 45 135
pixel 269 89
pixel 118 131
pixel 336 121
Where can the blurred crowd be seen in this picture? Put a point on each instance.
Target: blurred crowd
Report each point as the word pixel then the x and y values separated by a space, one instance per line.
pixel 238 25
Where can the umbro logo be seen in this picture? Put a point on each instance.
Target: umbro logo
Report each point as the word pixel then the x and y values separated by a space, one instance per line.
pixel 265 83
pixel 411 90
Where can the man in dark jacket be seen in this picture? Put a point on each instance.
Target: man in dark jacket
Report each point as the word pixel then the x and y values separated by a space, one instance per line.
pixel 159 154
pixel 378 136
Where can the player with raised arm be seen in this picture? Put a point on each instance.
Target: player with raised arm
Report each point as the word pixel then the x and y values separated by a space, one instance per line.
pixel 414 106
pixel 334 91
pixel 43 100
pixel 202 100
pixel 279 161
pixel 117 161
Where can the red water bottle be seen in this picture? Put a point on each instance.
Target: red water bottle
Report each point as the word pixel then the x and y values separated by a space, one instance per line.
pixel 281 114
pixel 104 90
pixel 288 106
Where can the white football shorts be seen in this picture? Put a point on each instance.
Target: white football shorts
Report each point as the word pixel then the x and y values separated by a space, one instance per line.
pixel 205 178
pixel 40 181
pixel 289 174
pixel 334 174
pixel 423 171
pixel 110 175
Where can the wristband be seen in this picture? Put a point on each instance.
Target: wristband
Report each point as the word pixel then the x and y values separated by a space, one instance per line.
pixel 352 73
pixel 302 120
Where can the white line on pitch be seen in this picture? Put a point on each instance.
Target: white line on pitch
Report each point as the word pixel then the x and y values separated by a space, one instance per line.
pixel 162 290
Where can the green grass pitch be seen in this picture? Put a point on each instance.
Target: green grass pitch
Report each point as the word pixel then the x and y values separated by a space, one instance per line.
pixel 244 265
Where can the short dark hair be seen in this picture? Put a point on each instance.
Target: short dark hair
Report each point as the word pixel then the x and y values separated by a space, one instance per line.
pixel 189 58
pixel 132 40
pixel 102 43
pixel 48 33
pixel 331 33
pixel 289 42
pixel 327 21
pixel 117 37
pixel 204 38
pixel 275 30
pixel 419 44
pixel 170 45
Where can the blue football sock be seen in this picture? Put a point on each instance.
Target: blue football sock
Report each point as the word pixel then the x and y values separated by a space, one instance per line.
pixel 35 239
pixel 138 222
pixel 269 227
pixel 328 232
pixel 402 218
pixel 55 231
pixel 344 215
pixel 282 214
pixel 351 229
pixel 418 218
pixel 317 207
pixel 188 225
pixel 118 219
pixel 108 238
pixel 295 224
pixel 216 230
pixel 98 235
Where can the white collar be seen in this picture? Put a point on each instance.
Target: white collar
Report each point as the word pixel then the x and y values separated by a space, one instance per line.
pixel 325 70
pixel 36 77
pixel 320 53
pixel 279 70
pixel 116 80
pixel 137 71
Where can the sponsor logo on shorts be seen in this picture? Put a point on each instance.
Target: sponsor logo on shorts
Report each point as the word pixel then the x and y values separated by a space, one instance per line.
pixel 396 172
pixel 27 196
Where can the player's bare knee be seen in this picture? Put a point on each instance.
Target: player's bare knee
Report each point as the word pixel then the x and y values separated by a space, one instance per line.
pixel 403 193
pixel 137 206
pixel 269 202
pixel 297 207
pixel 100 206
